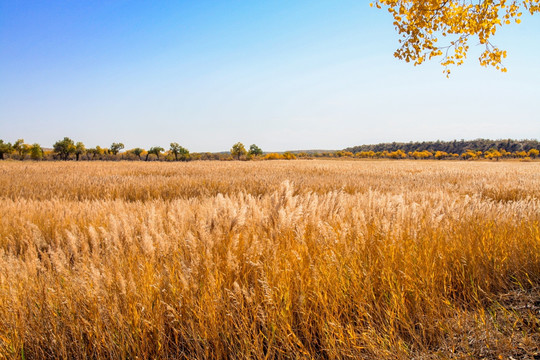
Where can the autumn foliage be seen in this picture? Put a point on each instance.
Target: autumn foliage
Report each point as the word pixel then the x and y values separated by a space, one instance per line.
pixel 422 24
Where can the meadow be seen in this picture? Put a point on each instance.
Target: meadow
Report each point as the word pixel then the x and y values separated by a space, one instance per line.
pixel 329 259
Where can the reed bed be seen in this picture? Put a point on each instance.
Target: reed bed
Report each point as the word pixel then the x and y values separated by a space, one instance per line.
pixel 270 260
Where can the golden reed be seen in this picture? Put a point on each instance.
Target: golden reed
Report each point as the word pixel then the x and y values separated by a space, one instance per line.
pixel 268 260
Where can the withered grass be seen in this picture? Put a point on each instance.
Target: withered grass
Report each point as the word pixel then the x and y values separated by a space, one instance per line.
pixel 267 260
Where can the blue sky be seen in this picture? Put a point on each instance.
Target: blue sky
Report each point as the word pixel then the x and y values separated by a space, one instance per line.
pixel 281 74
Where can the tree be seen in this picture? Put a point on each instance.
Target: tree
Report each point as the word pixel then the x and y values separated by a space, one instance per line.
pixel 36 152
pixel 533 153
pixel 5 148
pixel 176 149
pixel 138 152
pixel 19 148
pixel 492 154
pixel 64 148
pixel 440 155
pixel 421 23
pixel 115 148
pixel 23 149
pixel 398 154
pixel 288 155
pixel 273 156
pixel 156 150
pixel 79 149
pixel 97 151
pixel 238 150
pixel 92 151
pixel 100 151
pixel 255 150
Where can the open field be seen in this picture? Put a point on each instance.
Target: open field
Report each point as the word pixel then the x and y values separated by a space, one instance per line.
pixel 284 259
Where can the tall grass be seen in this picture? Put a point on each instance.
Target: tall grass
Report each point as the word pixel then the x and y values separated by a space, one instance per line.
pixel 305 259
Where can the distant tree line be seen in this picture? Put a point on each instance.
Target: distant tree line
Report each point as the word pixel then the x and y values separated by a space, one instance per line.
pixel 20 150
pixel 491 154
pixel 451 147
pixel 67 149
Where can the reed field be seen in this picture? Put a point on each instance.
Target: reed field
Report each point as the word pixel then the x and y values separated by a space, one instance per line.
pixel 305 259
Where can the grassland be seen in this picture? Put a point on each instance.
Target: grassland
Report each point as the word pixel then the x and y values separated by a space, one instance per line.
pixel 299 259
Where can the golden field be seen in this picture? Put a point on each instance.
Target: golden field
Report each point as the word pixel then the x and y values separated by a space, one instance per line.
pixel 267 260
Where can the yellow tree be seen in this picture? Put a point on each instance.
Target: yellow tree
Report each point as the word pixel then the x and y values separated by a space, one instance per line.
pixel 238 150
pixel 365 154
pixel 469 154
pixel 533 153
pixel 492 154
pixel 440 155
pixel 504 153
pixel 422 22
pixel 398 154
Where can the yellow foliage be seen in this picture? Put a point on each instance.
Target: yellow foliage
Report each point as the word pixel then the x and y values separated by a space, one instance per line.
pixel 469 155
pixel 440 155
pixel 343 153
pixel 288 155
pixel 365 154
pixel 421 23
pixel 533 153
pixel 421 154
pixel 275 156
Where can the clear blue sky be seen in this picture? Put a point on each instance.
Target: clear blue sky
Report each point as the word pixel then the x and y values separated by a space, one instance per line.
pixel 282 74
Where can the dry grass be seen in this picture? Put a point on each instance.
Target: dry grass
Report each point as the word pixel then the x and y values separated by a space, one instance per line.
pixel 300 259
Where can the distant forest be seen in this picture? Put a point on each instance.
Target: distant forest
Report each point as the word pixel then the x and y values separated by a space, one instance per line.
pixel 454 147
